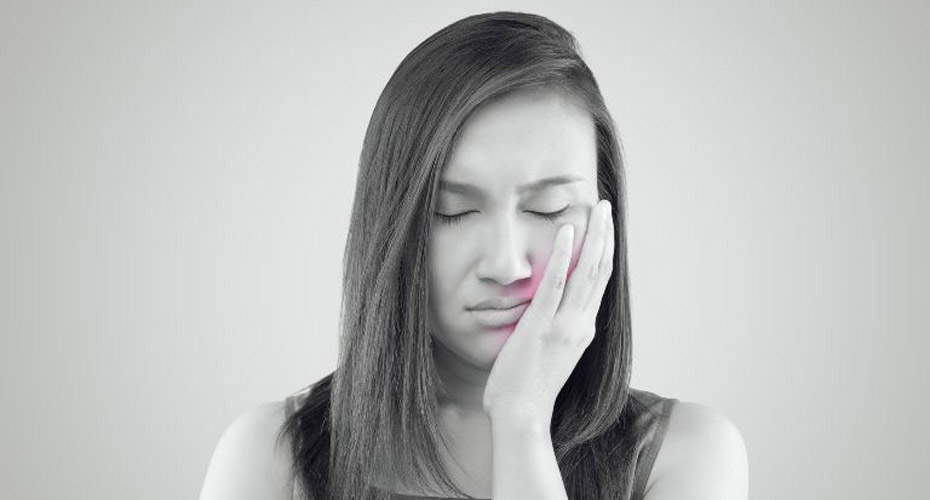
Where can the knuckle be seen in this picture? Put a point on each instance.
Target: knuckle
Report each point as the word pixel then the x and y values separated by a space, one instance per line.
pixel 557 332
pixel 589 334
pixel 568 332
pixel 607 264
pixel 595 273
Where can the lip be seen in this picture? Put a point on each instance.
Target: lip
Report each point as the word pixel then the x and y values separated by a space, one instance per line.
pixel 500 303
pixel 497 318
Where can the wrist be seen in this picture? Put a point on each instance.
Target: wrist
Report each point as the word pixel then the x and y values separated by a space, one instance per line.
pixel 516 423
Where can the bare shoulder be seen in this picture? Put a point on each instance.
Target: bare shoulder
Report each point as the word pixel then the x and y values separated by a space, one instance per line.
pixel 703 456
pixel 249 461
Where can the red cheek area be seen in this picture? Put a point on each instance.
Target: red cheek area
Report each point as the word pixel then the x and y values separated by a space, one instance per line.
pixel 540 269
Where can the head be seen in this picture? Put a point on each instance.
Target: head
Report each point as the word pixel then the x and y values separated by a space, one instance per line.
pixel 522 165
pixel 467 125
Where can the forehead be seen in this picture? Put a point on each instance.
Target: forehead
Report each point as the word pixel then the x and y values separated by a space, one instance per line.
pixel 523 137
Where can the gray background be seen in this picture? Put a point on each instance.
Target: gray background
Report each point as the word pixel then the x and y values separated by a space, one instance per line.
pixel 175 191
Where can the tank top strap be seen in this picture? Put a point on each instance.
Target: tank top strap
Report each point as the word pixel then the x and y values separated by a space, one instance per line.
pixel 653 422
pixel 293 401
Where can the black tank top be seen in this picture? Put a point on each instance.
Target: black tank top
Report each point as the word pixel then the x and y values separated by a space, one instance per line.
pixel 654 419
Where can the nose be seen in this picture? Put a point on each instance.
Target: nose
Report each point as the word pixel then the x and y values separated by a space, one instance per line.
pixel 503 252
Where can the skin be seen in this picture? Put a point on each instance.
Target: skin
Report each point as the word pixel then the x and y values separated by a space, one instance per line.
pixel 500 248
pixel 501 383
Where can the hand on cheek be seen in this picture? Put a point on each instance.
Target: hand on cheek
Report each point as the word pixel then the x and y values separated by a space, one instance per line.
pixel 581 225
pixel 581 222
pixel 556 328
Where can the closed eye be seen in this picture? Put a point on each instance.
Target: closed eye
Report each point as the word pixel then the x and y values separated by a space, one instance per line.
pixel 457 218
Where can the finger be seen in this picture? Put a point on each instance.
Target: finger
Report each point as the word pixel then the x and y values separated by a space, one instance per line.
pixel 549 293
pixel 595 273
pixel 606 266
pixel 580 286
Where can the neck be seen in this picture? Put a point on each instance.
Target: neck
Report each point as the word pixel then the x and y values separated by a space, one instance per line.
pixel 462 382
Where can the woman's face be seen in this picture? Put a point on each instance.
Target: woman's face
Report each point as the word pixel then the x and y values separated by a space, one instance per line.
pixel 516 159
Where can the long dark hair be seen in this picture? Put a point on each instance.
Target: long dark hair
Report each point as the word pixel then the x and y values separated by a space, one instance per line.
pixel 375 416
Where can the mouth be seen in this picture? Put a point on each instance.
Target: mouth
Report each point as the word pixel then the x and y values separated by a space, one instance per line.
pixel 497 318
pixel 499 303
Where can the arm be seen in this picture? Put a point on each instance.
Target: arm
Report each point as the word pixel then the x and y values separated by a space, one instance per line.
pixel 524 464
pixel 246 464
pixel 538 357
pixel 703 457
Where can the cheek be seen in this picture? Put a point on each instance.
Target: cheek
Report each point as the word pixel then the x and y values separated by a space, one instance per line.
pixel 539 268
pixel 444 271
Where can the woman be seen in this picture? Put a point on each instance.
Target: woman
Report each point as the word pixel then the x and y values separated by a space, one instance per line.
pixel 486 318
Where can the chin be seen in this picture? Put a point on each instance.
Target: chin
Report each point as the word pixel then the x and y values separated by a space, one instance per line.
pixel 479 348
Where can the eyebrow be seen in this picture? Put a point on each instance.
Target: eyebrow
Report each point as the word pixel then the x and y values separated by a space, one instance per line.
pixel 538 185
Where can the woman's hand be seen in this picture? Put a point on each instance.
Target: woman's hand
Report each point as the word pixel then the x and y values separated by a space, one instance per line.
pixel 556 328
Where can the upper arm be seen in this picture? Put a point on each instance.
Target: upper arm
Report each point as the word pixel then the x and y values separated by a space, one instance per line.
pixel 703 456
pixel 246 464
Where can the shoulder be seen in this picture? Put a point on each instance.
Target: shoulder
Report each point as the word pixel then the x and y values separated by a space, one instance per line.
pixel 703 455
pixel 249 460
